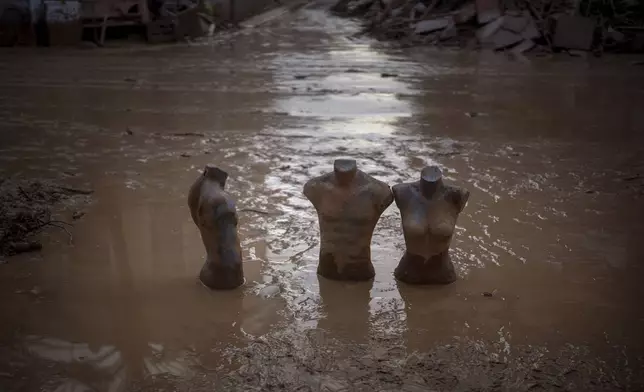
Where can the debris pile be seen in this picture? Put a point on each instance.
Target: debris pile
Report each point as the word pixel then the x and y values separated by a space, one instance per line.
pixel 176 20
pixel 516 25
pixel 26 210
pixel 314 361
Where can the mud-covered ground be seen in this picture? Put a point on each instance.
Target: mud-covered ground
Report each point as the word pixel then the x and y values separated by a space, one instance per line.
pixel 551 151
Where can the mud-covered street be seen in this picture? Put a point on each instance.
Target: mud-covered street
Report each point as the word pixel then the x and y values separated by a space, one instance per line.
pixel 548 250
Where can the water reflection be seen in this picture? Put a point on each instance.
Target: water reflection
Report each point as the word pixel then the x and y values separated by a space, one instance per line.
pixel 105 369
pixel 131 280
pixel 339 105
pixel 345 309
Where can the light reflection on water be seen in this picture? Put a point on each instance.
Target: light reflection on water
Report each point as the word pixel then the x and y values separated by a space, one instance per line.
pixel 107 361
pixel 526 234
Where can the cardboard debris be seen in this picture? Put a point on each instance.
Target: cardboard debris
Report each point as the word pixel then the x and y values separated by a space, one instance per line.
pixel 574 32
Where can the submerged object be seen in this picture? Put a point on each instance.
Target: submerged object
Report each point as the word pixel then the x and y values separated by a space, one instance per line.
pixel 429 209
pixel 213 211
pixel 349 203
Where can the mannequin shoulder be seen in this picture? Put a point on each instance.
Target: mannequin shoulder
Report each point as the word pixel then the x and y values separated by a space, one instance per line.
pixel 375 185
pixel 402 191
pixel 457 195
pixel 317 184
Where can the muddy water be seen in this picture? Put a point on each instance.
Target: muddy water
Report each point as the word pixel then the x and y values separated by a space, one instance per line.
pixel 551 151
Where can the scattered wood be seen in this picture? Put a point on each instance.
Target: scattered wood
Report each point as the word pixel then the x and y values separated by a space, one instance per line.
pixel 60 225
pixel 24 247
pixel 26 210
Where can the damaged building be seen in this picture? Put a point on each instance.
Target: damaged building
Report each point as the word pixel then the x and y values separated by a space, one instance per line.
pixel 68 22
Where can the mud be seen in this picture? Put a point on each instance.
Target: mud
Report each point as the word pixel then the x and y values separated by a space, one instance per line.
pixel 551 233
pixel 28 207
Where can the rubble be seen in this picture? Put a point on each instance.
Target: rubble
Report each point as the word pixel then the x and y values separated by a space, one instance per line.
pixel 514 25
pixel 26 210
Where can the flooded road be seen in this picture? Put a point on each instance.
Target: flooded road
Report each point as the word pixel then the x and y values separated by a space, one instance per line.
pixel 551 151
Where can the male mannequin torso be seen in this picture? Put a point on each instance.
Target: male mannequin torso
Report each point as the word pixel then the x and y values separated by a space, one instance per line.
pixel 349 203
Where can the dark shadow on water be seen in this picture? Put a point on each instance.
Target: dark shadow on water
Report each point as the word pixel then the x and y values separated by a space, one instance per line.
pixel 424 304
pixel 345 309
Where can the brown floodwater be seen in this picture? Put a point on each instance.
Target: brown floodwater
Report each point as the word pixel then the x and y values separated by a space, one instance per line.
pixel 551 150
